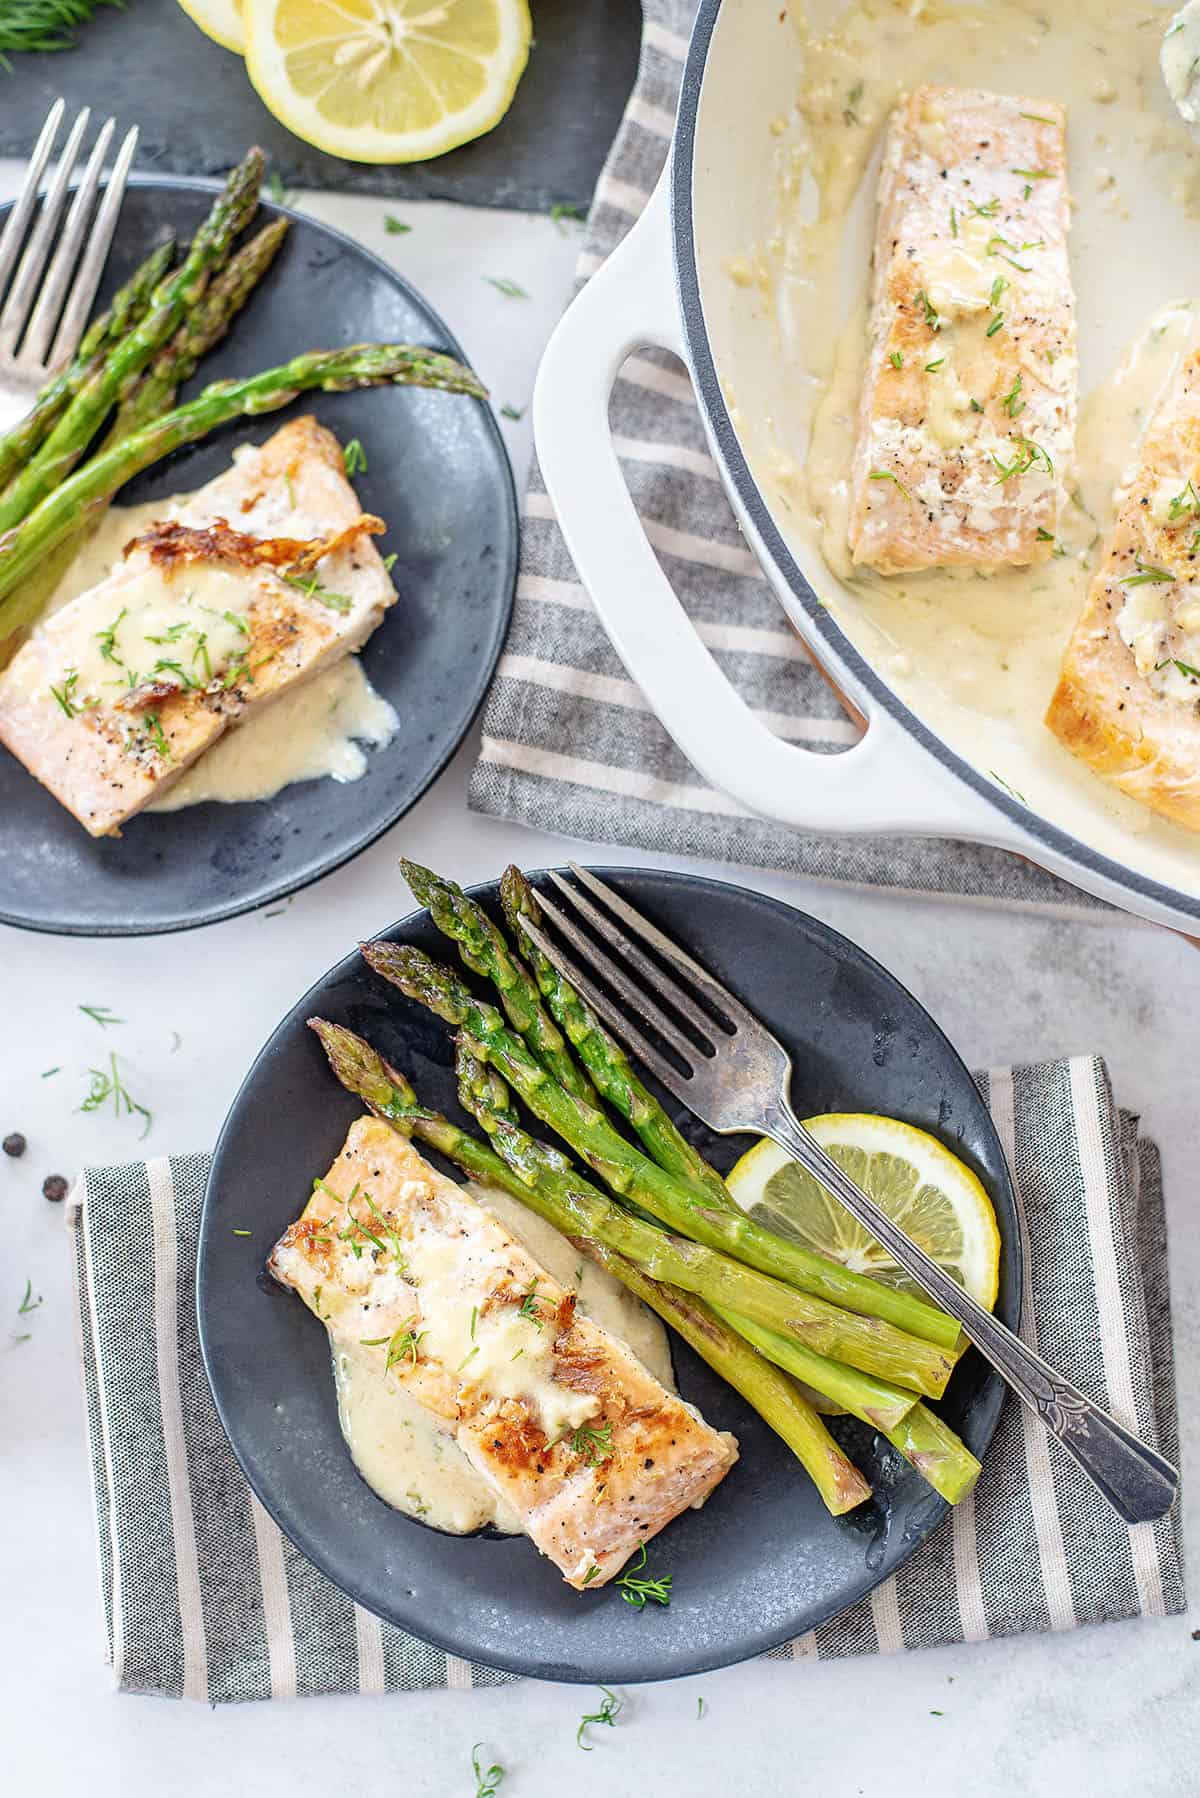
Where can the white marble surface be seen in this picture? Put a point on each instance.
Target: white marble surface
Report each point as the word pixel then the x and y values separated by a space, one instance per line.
pixel 1103 1711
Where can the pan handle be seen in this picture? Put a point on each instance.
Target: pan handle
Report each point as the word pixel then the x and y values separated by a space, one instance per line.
pixel 887 783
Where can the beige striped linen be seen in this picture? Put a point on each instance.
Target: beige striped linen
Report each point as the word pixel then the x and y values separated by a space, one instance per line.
pixel 561 684
pixel 204 1597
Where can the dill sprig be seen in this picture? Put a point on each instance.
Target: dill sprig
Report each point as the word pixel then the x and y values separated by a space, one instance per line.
pixel 595 1446
pixel 487 1779
pixel 402 1345
pixel 608 1713
pixel 43 24
pixel 1147 575
pixel 639 1592
pixel 528 1308
pixel 106 1085
pixel 101 1014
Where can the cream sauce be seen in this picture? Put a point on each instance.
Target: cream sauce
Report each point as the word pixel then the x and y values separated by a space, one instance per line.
pixel 315 730
pixel 976 654
pixel 399 1447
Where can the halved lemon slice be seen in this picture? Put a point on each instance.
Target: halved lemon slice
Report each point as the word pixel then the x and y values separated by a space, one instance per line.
pixel 918 1182
pixel 387 80
pixel 220 20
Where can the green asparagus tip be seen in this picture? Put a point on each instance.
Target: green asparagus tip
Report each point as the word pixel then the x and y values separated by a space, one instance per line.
pixel 359 1068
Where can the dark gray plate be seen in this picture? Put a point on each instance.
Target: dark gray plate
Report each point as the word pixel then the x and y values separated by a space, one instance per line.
pixel 763 1561
pixel 438 472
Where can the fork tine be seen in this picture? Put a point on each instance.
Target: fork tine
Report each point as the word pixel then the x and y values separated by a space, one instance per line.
pixel 45 314
pixel 91 267
pixel 17 222
pixel 629 990
pixel 603 1006
pixel 29 271
pixel 669 989
pixel 719 995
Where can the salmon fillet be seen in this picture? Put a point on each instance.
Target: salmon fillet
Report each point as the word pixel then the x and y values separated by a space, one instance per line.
pixel 1128 696
pixel 563 1421
pixel 967 421
pixel 119 692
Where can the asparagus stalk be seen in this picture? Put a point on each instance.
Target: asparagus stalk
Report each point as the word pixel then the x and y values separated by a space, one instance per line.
pixel 770 1393
pixel 484 950
pixel 921 1437
pixel 153 394
pixel 839 1482
pixel 816 1330
pixel 603 1056
pixel 209 249
pixel 333 371
pixel 935 1451
pixel 128 307
pixel 867 1341
pixel 204 325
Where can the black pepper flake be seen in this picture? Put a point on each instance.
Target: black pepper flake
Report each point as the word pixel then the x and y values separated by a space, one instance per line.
pixel 54 1188
pixel 14 1144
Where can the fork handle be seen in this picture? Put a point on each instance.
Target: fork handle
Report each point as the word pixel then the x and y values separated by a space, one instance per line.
pixel 1136 1480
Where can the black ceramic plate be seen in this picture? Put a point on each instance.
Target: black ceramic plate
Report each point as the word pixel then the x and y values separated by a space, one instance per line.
pixel 762 1561
pixel 438 473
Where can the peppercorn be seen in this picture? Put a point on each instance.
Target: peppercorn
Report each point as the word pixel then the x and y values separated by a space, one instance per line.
pixel 54 1188
pixel 14 1143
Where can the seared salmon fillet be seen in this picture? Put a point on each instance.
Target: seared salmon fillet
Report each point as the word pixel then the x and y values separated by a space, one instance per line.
pixel 1128 697
pixel 562 1420
pixel 250 587
pixel 967 421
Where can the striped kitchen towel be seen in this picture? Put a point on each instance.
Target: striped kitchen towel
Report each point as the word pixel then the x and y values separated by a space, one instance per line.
pixel 569 743
pixel 204 1598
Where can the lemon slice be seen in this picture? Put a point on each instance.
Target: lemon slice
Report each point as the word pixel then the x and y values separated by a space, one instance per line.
pixel 220 20
pixel 918 1182
pixel 387 80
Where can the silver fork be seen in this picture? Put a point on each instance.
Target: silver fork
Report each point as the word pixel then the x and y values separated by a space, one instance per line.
pixel 737 1077
pixel 41 322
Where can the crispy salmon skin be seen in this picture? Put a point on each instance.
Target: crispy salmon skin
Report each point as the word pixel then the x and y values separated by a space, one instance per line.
pixel 967 421
pixel 248 588
pixel 1128 696
pixel 562 1421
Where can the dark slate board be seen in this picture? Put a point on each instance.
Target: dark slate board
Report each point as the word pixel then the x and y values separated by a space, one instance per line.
pixel 198 112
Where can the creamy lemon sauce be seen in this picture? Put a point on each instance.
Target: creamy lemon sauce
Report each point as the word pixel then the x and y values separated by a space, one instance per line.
pixel 399 1447
pixel 974 654
pixel 315 730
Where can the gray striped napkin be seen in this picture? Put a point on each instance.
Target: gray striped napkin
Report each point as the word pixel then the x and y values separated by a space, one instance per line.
pixel 569 743
pixel 203 1597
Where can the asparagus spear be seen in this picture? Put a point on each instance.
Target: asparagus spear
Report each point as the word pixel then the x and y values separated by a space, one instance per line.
pixel 209 249
pixel 128 307
pixel 484 950
pixel 770 1393
pixel 868 1342
pixel 921 1437
pixel 816 1330
pixel 603 1056
pixel 782 1406
pixel 154 393
pixel 204 325
pixel 333 371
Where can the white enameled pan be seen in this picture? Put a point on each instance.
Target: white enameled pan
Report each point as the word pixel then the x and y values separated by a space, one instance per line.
pixel 668 285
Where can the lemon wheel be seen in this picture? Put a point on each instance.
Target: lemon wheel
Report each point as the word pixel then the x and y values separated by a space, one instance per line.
pixel 387 80
pixel 929 1192
pixel 220 20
